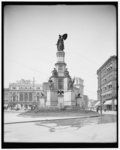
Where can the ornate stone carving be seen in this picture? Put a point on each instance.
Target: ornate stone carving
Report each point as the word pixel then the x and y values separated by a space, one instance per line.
pixel 51 84
pixel 66 73
pixel 54 72
pixel 70 84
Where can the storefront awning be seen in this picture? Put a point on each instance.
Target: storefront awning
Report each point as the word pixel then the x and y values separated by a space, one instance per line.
pixel 97 104
pixel 109 102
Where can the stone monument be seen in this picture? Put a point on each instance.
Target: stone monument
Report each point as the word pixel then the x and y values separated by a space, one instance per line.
pixel 60 93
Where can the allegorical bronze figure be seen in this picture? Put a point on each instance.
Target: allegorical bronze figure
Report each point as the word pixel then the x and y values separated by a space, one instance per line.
pixel 60 42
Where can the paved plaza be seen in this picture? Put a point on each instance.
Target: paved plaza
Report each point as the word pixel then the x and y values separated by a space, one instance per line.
pixel 59 129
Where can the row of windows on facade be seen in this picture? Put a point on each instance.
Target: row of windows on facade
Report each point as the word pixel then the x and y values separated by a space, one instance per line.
pixel 13 93
pixel 19 88
pixel 107 87
pixel 107 96
pixel 106 70
pixel 107 78
pixel 24 97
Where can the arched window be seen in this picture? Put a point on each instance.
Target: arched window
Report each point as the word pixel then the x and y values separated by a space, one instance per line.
pixel 14 97
pixel 21 96
pixel 30 96
pixel 26 97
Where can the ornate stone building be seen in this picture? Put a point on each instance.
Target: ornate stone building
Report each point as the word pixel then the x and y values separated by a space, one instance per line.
pixel 107 84
pixel 23 92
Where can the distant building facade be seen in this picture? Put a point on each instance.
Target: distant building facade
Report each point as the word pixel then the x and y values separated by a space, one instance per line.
pixel 79 90
pixel 91 104
pixel 27 92
pixel 79 83
pixel 6 95
pixel 23 92
pixel 86 101
pixel 107 86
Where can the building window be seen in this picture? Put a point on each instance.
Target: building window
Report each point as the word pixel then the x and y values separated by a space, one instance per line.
pixel 105 88
pixel 110 86
pixel 109 68
pixel 105 80
pixel 14 88
pixel 30 96
pixel 103 97
pixel 26 97
pixel 21 96
pixel 38 98
pixel 14 98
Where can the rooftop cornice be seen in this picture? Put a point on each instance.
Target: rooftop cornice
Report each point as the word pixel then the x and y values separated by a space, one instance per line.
pixel 111 58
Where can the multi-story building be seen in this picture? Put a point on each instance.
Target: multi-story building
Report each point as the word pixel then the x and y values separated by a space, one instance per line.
pixel 23 92
pixel 107 85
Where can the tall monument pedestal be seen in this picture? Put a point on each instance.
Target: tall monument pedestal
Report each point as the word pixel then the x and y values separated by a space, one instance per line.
pixel 52 98
pixel 60 102
pixel 42 102
pixel 60 93
pixel 69 98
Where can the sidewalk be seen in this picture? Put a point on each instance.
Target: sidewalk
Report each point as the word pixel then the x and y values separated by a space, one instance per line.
pixel 109 112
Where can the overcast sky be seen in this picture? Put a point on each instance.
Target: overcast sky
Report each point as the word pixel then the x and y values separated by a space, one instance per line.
pixel 31 34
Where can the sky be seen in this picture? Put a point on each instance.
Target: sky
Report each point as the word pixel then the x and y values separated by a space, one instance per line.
pixel 31 34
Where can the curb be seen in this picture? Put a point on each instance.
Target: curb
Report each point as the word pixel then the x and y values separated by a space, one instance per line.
pixel 51 119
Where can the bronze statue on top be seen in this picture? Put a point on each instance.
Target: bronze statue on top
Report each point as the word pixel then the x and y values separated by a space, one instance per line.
pixel 60 42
